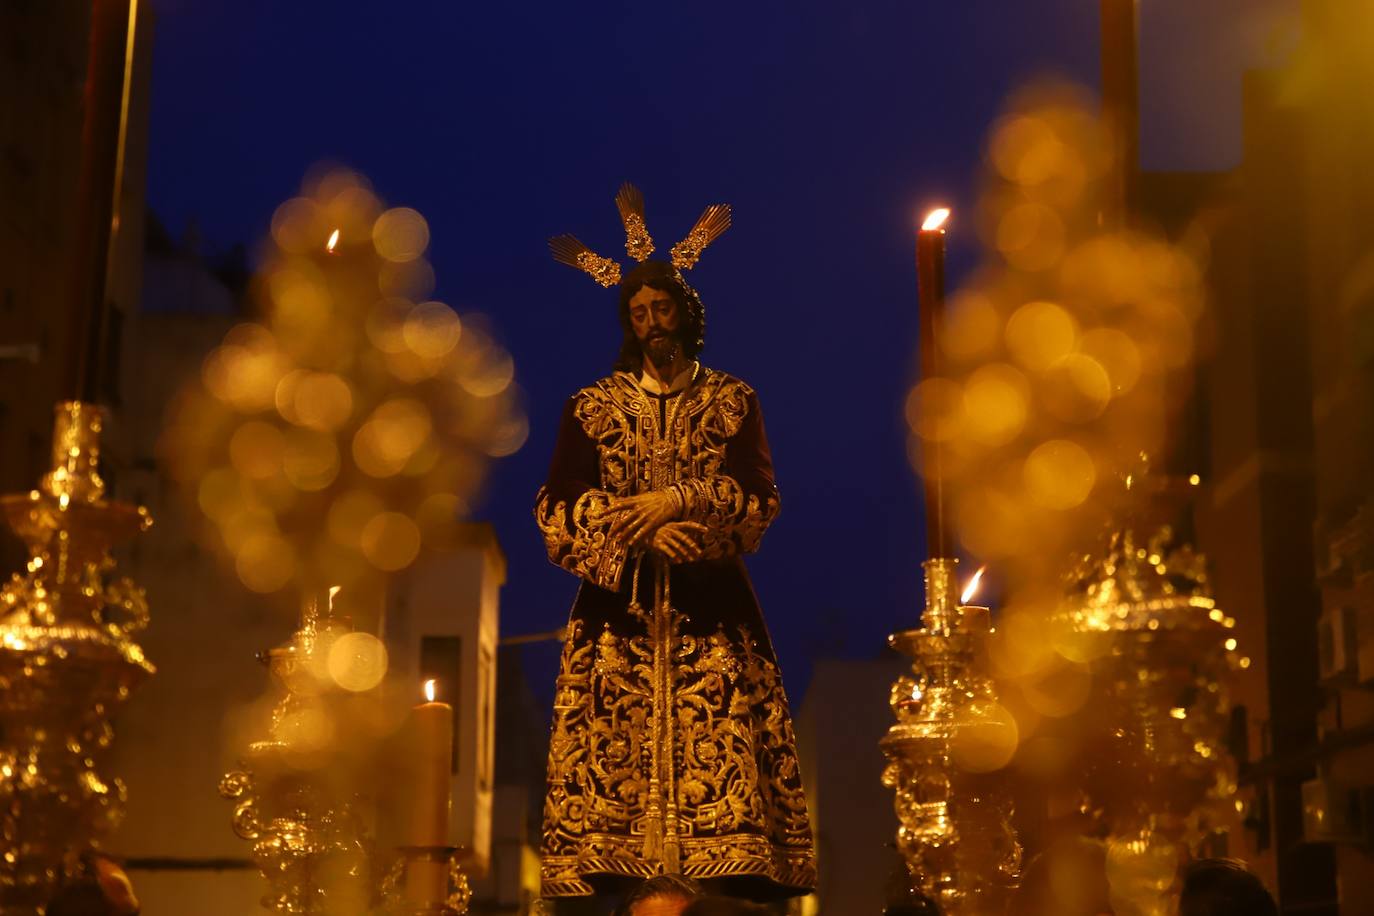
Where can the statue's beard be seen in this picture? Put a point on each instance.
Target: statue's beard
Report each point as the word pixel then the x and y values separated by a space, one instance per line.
pixel 662 351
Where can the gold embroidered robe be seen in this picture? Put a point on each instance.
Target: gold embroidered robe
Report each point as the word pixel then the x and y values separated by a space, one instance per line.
pixel 672 746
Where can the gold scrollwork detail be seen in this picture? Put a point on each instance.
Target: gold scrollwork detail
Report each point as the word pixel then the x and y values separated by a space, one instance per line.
pixel 738 801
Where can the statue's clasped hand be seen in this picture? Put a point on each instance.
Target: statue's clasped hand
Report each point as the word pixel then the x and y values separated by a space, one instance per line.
pixel 680 542
pixel 634 519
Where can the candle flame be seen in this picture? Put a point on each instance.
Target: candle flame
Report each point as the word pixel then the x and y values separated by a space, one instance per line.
pixel 333 590
pixel 935 219
pixel 972 588
pixel 429 690
pixel 333 240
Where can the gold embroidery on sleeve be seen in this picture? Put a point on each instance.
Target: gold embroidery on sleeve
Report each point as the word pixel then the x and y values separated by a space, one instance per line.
pixel 734 523
pixel 582 549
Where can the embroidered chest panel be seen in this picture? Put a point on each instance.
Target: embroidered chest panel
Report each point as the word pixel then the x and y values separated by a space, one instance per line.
pixel 638 451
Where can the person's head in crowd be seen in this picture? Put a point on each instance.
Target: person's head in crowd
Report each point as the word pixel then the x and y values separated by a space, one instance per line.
pixel 104 890
pixel 1223 887
pixel 725 906
pixel 661 895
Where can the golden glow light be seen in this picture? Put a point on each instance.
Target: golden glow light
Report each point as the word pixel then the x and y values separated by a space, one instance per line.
pixel 429 690
pixel 935 219
pixel 972 588
pixel 357 662
pixel 313 438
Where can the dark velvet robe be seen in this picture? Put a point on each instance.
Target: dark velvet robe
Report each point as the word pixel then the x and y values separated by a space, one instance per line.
pixel 672 746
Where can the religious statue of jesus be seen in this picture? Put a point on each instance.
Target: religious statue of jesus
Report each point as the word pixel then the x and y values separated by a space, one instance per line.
pixel 672 749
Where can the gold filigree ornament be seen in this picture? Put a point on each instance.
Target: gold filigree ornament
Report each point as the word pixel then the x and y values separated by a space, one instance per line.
pixel 568 249
pixel 67 661
pixel 630 202
pixel 1158 776
pixel 712 223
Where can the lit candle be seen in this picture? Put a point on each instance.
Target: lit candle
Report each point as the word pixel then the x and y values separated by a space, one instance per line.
pixel 973 617
pixel 430 750
pixel 930 286
pixel 972 588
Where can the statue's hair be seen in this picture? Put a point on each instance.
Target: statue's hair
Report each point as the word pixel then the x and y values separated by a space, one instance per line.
pixel 725 906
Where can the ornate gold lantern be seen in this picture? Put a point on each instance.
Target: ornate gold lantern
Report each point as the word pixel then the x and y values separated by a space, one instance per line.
pixel 1158 777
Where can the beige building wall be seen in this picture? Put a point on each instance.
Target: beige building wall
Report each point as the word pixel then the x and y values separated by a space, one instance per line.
pixel 840 721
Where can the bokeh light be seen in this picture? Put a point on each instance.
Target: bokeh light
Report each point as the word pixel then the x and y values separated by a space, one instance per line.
pixel 996 403
pixel 350 428
pixel 1059 474
pixel 357 661
pixel 390 541
pixel 1040 334
pixel 987 737
pixel 400 234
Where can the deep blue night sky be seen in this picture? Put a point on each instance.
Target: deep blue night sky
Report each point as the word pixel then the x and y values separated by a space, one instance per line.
pixel 828 126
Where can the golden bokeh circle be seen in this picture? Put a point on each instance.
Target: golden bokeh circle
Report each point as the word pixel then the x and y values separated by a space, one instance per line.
pixel 400 234
pixel 935 410
pixel 431 330
pixel 357 661
pixel 1040 334
pixel 321 400
pixel 390 541
pixel 986 737
pixel 255 450
pixel 265 563
pixel 996 404
pixel 1059 474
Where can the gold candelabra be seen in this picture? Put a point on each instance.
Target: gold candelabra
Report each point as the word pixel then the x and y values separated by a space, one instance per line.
pixel 944 752
pixel 297 799
pixel 68 660
pixel 305 795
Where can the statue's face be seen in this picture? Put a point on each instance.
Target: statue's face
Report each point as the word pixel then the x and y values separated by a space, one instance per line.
pixel 655 319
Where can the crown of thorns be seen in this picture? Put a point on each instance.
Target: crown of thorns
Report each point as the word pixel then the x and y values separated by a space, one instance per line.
pixel 566 249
